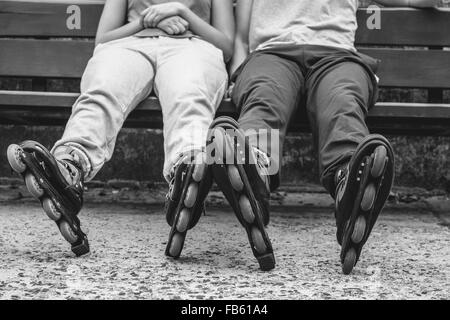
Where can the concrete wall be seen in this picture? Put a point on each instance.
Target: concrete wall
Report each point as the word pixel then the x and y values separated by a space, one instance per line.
pixel 421 161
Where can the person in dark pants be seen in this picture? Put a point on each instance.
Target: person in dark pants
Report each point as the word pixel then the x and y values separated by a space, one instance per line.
pixel 293 51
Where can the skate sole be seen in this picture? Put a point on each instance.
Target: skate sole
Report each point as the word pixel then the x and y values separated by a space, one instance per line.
pixel 234 182
pixel 371 195
pixel 41 189
pixel 184 215
pixel 256 232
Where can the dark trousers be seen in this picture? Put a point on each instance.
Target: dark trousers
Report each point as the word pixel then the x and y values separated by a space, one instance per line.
pixel 337 86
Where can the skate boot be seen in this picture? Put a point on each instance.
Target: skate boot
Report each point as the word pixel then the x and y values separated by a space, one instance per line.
pixel 240 172
pixel 57 184
pixel 188 189
pixel 363 187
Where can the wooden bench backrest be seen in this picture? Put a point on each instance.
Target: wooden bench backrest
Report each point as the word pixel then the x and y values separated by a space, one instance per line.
pixel 33 42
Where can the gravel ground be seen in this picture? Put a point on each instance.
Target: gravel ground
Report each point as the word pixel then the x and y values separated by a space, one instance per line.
pixel 407 257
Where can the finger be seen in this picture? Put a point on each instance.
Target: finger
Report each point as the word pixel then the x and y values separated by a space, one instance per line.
pixel 183 22
pixel 181 28
pixel 146 11
pixel 145 23
pixel 162 25
pixel 230 90
pixel 176 28
pixel 149 18
pixel 170 30
pixel 157 19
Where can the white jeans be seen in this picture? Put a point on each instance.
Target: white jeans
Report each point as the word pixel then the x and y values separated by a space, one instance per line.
pixel 188 76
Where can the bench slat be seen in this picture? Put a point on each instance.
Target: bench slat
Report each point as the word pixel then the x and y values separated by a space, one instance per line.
pixel 37 100
pixel 44 58
pixel 399 26
pixel 21 107
pixel 412 68
pixel 28 19
pixel 405 27
pixel 68 59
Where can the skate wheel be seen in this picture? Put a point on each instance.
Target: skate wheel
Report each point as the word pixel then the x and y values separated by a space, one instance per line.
pixel 246 209
pixel 379 161
pixel 349 261
pixel 67 232
pixel 235 178
pixel 191 195
pixel 50 209
pixel 258 241
pixel 183 220
pixel 16 163
pixel 369 197
pixel 359 229
pixel 176 245
pixel 200 168
pixel 33 186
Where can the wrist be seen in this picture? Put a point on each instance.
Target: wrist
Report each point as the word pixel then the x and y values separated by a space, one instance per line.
pixel 182 9
pixel 141 22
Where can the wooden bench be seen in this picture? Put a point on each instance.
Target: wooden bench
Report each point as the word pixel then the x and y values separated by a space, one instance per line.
pixel 36 43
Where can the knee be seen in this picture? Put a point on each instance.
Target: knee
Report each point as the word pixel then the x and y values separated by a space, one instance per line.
pixel 103 75
pixel 95 79
pixel 260 92
pixel 342 105
pixel 100 88
pixel 187 99
pixel 264 103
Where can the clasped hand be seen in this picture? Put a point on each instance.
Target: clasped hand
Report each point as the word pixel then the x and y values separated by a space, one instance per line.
pixel 165 16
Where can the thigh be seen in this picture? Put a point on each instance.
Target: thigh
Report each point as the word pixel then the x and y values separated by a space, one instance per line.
pixel 268 88
pixel 338 101
pixel 345 88
pixel 122 76
pixel 191 73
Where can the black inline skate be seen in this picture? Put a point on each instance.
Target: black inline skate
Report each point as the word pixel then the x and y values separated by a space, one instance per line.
pixel 239 172
pixel 188 189
pixel 363 186
pixel 57 184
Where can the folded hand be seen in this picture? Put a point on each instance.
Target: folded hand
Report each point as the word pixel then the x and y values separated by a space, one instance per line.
pixel 173 25
pixel 153 15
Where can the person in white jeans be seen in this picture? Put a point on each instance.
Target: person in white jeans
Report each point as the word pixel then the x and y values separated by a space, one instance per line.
pixel 188 76
pixel 186 71
pixel 178 49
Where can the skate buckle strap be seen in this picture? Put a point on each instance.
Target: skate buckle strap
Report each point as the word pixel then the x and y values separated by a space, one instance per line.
pixel 341 174
pixel 171 186
pixel 75 172
pixel 263 161
pixel 262 158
